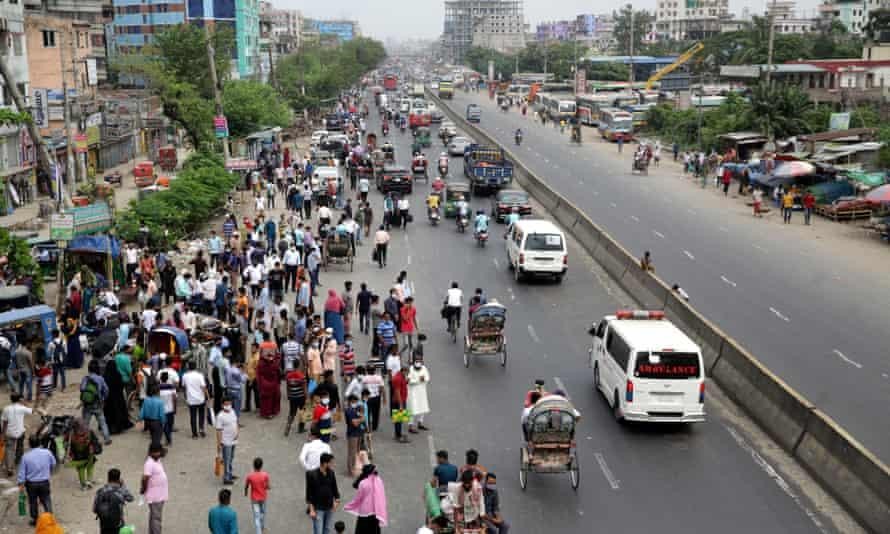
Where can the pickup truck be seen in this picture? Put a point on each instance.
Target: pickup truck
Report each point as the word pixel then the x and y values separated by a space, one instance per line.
pixel 487 168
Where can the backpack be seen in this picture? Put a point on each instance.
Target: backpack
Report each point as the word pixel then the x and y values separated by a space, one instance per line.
pixel 108 508
pixel 58 355
pixel 90 394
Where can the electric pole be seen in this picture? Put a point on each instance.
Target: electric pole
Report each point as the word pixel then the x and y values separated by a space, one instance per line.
pixel 630 46
pixel 217 96
pixel 772 37
pixel 71 168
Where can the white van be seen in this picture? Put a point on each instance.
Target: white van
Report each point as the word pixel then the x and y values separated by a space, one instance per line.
pixel 405 105
pixel 647 368
pixel 537 247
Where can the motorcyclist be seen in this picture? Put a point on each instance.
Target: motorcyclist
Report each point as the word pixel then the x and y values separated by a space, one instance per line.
pixel 438 185
pixel 462 209
pixel 443 163
pixel 432 203
pixel 518 135
pixel 481 223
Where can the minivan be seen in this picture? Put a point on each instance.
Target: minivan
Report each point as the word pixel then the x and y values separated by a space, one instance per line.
pixel 537 248
pixel 474 113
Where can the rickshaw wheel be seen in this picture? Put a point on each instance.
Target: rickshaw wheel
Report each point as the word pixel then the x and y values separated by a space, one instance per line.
pixel 575 472
pixel 466 353
pixel 504 355
pixel 523 470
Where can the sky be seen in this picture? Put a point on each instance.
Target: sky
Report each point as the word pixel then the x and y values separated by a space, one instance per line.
pixel 402 19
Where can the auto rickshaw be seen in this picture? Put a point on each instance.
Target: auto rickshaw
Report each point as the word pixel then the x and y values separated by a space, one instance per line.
pixel 422 136
pixel 46 253
pixel 167 158
pixel 452 190
pixel 173 342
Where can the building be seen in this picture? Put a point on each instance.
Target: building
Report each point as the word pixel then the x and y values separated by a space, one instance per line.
pixel 496 24
pixel 853 14
pixel 684 20
pixel 17 153
pixel 786 20
pixel 136 21
pixel 548 32
pixel 241 15
pixel 279 35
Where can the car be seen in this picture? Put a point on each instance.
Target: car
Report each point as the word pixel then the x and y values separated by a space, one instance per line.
pixel 503 202
pixel 395 178
pixel 536 247
pixel 333 122
pixel 436 115
pixel 458 145
pixel 318 135
pixel 474 113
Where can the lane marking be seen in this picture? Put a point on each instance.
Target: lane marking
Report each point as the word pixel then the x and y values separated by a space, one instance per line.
pixel 728 281
pixel 691 211
pixel 658 234
pixel 532 334
pixel 758 247
pixel 614 483
pixel 409 259
pixel 596 193
pixel 724 229
pixel 635 218
pixel 689 255
pixel 580 182
pixel 843 356
pixel 778 314
pixel 613 204
pixel 432 446
pixel 496 264
pixel 773 474
pixel 560 385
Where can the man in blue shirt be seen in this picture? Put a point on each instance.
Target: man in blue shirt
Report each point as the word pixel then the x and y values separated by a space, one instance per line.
pixel 215 248
pixel 154 414
pixel 34 474
pixel 445 471
pixel 386 333
pixel 222 519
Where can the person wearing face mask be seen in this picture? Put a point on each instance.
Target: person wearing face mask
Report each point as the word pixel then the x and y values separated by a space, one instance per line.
pixel 492 519
pixel 227 438
pixel 355 419
pixel 321 415
pixel 418 399
pixel 313 360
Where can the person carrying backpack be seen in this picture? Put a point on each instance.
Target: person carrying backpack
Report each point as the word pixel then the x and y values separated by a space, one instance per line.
pixel 93 392
pixel 57 352
pixel 108 505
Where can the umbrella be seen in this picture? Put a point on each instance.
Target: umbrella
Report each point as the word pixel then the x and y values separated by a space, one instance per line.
pixel 879 194
pixel 794 169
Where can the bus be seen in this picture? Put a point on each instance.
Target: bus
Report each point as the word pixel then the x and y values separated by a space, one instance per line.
pixel 640 114
pixel 615 124
pixel 589 107
pixel 518 91
pixel 556 107
pixel 391 82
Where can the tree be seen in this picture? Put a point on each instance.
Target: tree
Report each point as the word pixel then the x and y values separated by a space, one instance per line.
pixel 780 110
pixel 606 71
pixel 251 105
pixel 642 22
pixel 18 260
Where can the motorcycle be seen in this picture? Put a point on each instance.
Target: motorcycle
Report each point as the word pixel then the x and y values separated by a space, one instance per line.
pixel 434 217
pixel 53 434
pixel 518 140
pixel 402 127
pixel 443 171
pixel 385 132
pixel 462 222
pixel 482 238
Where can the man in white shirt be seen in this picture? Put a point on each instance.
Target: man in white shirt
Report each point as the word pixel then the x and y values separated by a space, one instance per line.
pixel 195 397
pixel 12 424
pixel 310 454
pixel 208 291
pixel 254 276
pixel 324 216
pixel 291 266
pixel 454 301
pixel 227 438
pixel 149 316
pixel 131 255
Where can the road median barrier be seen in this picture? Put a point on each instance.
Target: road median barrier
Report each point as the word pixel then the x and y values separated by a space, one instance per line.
pixel 846 469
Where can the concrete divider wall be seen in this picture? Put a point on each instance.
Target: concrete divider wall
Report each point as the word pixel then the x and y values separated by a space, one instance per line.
pixel 849 471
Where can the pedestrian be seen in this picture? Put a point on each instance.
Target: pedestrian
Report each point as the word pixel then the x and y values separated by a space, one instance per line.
pixel 109 503
pixel 381 242
pixel 492 518
pixel 620 144
pixel 33 478
pixel 374 384
pixel 758 201
pixel 399 400
pixel 12 425
pixel 348 307
pixel 168 396
pixel 322 417
pixel 295 382
pixel 363 301
pixel 227 438
pixel 354 416
pixel 24 362
pixel 676 150
pixel 408 324
pixel 152 413
pixel 418 397
pixel 57 351
pixel 195 397
pixel 646 262
pixel 258 484
pixel 83 448
pixel 43 374
pixel 322 495
pixel 445 472
pixel 809 202
pixel 386 334
pixel 93 393
pixel 222 519
pixel 235 380
pixel 727 179
pixel 787 206
pixel 310 454
pixel 369 502
pixel 268 378
pixel 680 292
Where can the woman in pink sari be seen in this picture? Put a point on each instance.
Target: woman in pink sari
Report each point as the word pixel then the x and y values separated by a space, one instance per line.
pixel 268 378
pixel 369 503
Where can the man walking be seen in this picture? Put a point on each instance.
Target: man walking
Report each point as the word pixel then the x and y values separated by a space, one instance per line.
pixel 258 484
pixel 787 206
pixel 222 519
pixel 809 202
pixel 154 488
pixel 153 414
pixel 58 352
pixel 33 478
pixel 322 495
pixel 108 505
pixel 408 324
pixel 93 392
pixel 399 398
pixel 227 438
pixel 195 397
pixel 12 424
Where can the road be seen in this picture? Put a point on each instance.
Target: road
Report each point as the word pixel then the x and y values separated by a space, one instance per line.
pixel 810 309
pixel 677 476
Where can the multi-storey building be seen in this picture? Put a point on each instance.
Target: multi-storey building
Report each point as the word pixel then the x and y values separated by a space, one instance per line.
pixel 561 30
pixel 241 15
pixel 16 149
pixel 853 14
pixel 136 21
pixel 689 19
pixel 496 24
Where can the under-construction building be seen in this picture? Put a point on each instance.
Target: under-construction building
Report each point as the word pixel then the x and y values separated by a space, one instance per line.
pixel 496 24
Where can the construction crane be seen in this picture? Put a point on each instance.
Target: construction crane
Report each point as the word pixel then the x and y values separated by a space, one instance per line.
pixel 686 56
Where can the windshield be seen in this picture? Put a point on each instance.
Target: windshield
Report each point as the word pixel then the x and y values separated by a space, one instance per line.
pixel 623 124
pixel 549 242
pixel 667 365
pixel 513 198
pixel 568 107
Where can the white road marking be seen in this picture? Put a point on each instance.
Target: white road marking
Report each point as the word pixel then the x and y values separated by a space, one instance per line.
pixel 560 385
pixel 885 375
pixel 778 314
pixel 546 160
pixel 596 193
pixel 532 334
pixel 604 467
pixel 658 234
pixel 510 291
pixel 429 440
pixel 580 182
pixel 613 204
pixel 728 281
pixel 691 211
pixel 758 247
pixel 635 218
pixel 496 264
pixel 843 356
pixel 409 259
pixel 689 255
pixel 773 474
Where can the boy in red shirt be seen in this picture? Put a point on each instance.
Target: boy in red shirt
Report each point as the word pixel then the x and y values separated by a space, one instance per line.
pixel 258 484
pixel 408 324
pixel 295 381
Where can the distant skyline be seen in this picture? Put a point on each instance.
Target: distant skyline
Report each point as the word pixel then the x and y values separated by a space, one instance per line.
pixel 404 19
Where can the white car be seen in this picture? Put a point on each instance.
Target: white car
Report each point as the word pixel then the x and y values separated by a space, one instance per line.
pixel 457 146
pixel 537 247
pixel 318 135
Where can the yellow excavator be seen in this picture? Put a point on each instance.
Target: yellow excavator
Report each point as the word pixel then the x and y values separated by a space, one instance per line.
pixel 686 56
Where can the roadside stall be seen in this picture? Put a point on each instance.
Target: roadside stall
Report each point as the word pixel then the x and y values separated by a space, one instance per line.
pixel 97 257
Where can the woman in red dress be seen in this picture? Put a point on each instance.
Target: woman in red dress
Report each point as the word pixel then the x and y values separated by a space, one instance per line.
pixel 268 377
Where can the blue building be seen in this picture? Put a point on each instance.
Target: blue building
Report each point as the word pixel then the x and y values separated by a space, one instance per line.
pixel 135 22
pixel 244 17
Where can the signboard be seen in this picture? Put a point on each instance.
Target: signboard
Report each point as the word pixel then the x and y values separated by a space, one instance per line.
pixel 581 82
pixel 221 126
pixel 839 121
pixel 40 108
pixel 91 219
pixel 92 77
pixel 80 143
pixel 740 71
pixel 490 70
pixel 61 227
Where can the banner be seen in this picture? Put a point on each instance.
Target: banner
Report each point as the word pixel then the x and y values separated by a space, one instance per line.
pixel 40 108
pixel 92 77
pixel 221 126
pixel 839 121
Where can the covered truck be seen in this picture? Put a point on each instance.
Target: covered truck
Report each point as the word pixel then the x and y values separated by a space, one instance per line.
pixel 487 167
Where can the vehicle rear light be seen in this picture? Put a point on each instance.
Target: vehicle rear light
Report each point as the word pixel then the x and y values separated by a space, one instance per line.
pixel 639 314
pixel 565 259
pixel 521 258
pixel 701 393
pixel 629 392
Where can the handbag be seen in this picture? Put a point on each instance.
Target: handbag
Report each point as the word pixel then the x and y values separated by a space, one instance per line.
pixel 217 466
pixel 409 217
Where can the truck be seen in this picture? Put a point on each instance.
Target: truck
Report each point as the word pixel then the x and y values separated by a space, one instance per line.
pixel 446 89
pixel 417 90
pixel 487 168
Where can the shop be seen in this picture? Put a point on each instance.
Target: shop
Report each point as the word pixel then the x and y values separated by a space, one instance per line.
pixel 115 151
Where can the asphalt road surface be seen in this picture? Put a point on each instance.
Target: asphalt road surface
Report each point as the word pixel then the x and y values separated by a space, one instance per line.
pixel 815 315
pixel 633 478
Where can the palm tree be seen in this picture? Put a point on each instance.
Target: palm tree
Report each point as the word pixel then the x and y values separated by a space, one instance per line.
pixel 779 110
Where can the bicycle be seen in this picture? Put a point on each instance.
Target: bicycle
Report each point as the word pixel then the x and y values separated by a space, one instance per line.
pixel 452 326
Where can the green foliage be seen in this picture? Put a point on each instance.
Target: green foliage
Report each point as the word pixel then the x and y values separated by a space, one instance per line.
pixel 197 160
pixel 642 22
pixel 865 117
pixel 250 106
pixel 324 71
pixel 477 58
pixel 779 111
pixel 883 161
pixel 615 72
pixel 817 118
pixel 20 261
pixel 9 117
pixel 194 197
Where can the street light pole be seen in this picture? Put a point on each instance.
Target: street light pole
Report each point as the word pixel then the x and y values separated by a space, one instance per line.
pixel 630 46
pixel 772 37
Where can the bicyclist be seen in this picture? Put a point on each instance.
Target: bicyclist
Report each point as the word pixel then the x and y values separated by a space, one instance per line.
pixel 453 304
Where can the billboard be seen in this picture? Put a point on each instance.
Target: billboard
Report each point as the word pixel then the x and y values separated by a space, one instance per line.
pixel 40 108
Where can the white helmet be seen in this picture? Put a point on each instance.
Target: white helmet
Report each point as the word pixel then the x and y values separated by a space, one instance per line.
pixel 443 154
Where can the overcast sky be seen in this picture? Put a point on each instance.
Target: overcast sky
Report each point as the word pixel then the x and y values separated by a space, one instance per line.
pixel 423 18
